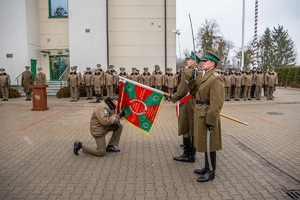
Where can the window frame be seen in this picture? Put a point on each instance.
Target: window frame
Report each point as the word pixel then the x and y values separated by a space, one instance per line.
pixel 50 10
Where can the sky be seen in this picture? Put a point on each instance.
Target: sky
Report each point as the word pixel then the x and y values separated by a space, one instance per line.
pixel 228 14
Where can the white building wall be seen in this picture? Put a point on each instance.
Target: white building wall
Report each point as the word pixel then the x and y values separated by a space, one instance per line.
pixel 87 49
pixel 13 35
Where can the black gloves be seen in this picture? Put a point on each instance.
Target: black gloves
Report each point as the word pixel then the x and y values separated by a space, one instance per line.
pixel 121 114
pixel 116 126
pixel 209 127
pixel 193 74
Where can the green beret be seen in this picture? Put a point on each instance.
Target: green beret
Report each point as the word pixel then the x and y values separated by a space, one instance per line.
pixel 210 56
pixel 194 57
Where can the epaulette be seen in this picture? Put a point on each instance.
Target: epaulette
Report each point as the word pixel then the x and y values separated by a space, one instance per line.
pixel 216 74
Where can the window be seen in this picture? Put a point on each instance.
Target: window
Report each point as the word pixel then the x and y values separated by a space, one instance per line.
pixel 58 8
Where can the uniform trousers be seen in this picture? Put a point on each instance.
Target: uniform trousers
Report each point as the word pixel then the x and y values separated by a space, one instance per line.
pixel 101 143
pixel 237 91
pixel 227 92
pixel 4 91
pixel 247 92
pixel 109 89
pixel 270 91
pixel 74 92
pixel 89 91
pixel 258 92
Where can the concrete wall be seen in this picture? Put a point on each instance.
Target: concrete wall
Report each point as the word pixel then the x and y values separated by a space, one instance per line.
pixel 137 34
pixel 13 34
pixel 87 49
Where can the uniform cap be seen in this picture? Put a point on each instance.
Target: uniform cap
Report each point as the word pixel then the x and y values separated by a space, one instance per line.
pixel 122 68
pixel 194 57
pixel 210 56
pixel 115 97
pixel 88 68
pixel 145 68
pixel 98 65
pixel 157 67
pixel 39 69
pixel 2 69
pixel 133 68
pixel 75 67
pixel 110 66
pixel 27 67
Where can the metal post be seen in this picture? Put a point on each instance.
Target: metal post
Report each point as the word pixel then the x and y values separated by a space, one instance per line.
pixel 255 45
pixel 243 34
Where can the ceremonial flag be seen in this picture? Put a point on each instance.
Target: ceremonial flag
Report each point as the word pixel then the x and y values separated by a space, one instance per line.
pixel 140 103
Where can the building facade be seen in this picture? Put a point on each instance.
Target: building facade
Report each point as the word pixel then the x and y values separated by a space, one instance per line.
pixel 56 34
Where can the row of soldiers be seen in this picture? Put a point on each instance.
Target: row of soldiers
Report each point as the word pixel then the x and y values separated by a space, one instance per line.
pixel 249 83
pixel 98 79
pixel 27 79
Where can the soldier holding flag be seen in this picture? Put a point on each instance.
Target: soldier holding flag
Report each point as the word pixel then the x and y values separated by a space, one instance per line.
pixel 210 95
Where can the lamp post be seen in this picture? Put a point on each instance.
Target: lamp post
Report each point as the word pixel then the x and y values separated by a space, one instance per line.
pixel 178 33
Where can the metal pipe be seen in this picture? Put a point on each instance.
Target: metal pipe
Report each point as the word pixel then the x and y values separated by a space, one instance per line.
pixel 243 34
pixel 165 16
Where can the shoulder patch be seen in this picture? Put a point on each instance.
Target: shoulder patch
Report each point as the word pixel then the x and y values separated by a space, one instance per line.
pixel 105 111
pixel 216 74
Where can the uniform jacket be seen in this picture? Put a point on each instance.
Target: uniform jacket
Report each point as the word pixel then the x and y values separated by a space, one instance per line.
pixel 258 79
pixel 158 79
pixel 73 80
pixel 88 79
pixel 4 80
pixel 238 80
pixel 40 79
pixel 227 80
pixel 146 78
pixel 102 120
pixel 135 77
pixel 209 88
pixel 247 80
pixel 109 78
pixel 170 80
pixel 271 79
pixel 186 117
pixel 27 80
pixel 98 79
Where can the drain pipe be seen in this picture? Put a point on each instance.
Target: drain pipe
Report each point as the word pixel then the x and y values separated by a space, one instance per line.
pixel 165 15
pixel 107 34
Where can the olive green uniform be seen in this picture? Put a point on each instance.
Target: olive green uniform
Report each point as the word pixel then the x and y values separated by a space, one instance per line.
pixel 4 83
pixel 103 120
pixel 27 80
pixel 40 79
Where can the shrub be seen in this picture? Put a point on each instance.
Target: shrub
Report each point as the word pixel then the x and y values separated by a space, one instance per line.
pixel 13 93
pixel 64 92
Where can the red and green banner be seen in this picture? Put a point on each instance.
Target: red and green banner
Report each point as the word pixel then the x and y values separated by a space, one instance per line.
pixel 140 103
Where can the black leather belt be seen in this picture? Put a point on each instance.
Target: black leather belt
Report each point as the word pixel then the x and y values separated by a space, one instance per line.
pixel 202 102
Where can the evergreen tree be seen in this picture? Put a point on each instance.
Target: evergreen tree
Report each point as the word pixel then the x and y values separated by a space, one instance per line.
pixel 283 48
pixel 266 49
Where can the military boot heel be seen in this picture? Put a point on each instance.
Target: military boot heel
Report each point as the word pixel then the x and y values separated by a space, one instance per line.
pixel 193 154
pixel 185 157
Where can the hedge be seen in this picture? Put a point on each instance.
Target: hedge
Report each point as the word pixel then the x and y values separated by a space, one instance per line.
pixel 288 76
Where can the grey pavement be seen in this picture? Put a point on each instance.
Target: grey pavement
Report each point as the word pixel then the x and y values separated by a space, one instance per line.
pixel 258 161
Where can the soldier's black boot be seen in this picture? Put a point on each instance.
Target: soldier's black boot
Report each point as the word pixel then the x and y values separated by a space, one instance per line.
pixel 77 147
pixel 209 175
pixel 97 98
pixel 185 157
pixel 203 170
pixel 193 150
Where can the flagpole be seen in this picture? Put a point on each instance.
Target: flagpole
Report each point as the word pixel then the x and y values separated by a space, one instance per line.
pixel 233 119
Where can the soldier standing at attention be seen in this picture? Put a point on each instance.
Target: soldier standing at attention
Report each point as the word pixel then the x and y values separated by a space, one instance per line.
pixel 27 80
pixel 158 78
pixel 247 82
pixel 40 77
pixel 123 73
pixel 227 81
pixel 102 80
pixel 109 81
pixel 252 91
pixel 238 84
pixel 97 82
pixel 4 83
pixel 170 82
pixel 88 80
pixel 271 82
pixel 80 81
pixel 186 107
pixel 73 82
pixel 209 92
pixel 134 76
pixel 104 119
pixel 146 77
pixel 232 75
pixel 259 82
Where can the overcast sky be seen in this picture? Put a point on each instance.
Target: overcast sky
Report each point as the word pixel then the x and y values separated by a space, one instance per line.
pixel 228 14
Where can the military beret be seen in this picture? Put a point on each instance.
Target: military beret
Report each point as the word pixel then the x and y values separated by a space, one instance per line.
pixel 2 69
pixel 98 65
pixel 39 69
pixel 27 67
pixel 88 68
